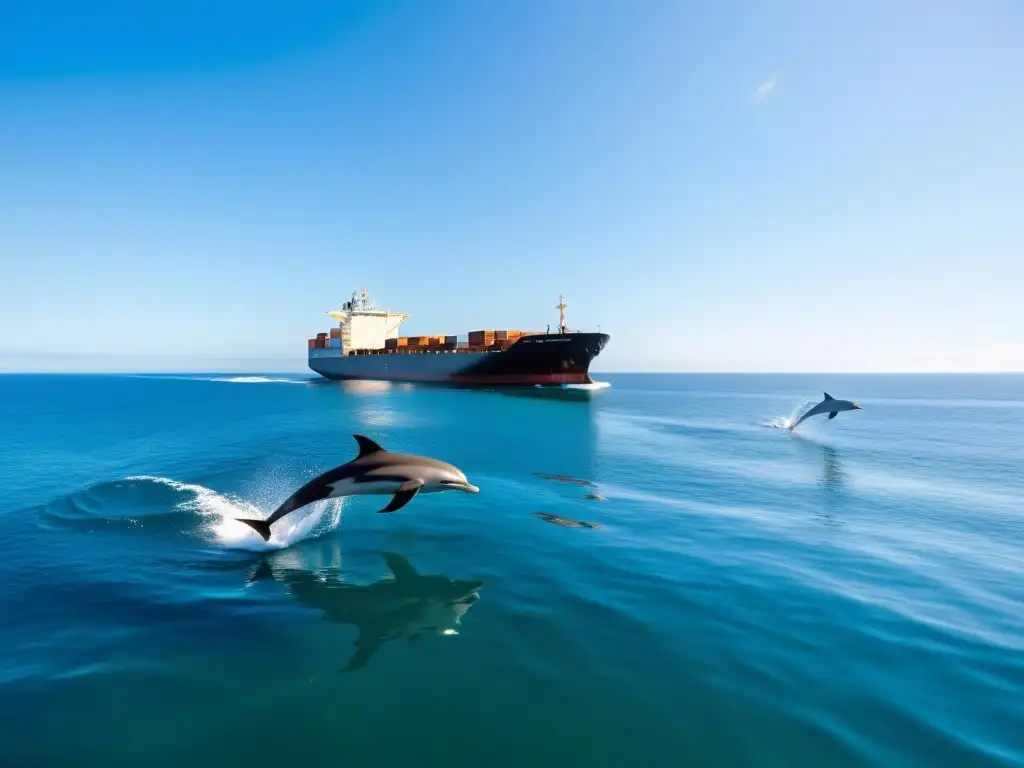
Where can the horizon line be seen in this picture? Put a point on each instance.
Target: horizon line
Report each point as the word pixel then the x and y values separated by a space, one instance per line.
pixel 807 372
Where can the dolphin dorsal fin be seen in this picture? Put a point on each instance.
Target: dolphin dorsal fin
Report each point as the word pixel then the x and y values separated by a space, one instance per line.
pixel 366 446
pixel 828 396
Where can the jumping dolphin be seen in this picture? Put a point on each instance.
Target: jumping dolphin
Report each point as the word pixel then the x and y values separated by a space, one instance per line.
pixel 829 405
pixel 408 604
pixel 373 471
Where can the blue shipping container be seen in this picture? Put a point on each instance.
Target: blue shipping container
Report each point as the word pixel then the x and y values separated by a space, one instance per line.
pixel 335 343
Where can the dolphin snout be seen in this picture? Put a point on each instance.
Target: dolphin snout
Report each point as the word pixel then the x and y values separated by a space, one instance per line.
pixel 469 488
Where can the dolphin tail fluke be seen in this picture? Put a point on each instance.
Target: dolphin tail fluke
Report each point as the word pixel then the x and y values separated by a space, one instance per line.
pixel 262 527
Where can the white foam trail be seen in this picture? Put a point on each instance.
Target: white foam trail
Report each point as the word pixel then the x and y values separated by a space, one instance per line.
pixel 786 422
pixel 220 512
pixel 227 379
pixel 591 387
pixel 254 380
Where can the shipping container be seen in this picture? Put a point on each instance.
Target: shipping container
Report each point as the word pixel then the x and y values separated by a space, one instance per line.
pixel 335 343
pixel 390 343
pixel 335 333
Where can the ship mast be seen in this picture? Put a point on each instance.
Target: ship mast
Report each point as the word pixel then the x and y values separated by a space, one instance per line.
pixel 561 314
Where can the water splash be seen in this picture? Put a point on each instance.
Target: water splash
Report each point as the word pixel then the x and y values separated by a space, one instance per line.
pixel 219 513
pixel 787 422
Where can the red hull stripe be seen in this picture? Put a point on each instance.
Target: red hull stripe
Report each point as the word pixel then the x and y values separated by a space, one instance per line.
pixel 506 379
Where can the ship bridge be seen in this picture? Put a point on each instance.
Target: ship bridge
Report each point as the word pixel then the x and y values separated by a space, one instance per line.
pixel 363 326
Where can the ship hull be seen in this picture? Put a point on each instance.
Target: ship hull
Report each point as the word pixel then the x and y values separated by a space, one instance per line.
pixel 541 359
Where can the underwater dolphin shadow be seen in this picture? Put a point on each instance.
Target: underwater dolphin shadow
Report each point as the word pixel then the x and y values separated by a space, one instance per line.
pixel 406 604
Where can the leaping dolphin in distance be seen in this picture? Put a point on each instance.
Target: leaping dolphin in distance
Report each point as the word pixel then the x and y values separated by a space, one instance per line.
pixel 374 471
pixel 829 405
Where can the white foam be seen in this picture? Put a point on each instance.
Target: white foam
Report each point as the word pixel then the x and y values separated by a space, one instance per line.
pixel 254 380
pixel 225 379
pixel 221 511
pixel 787 422
pixel 593 386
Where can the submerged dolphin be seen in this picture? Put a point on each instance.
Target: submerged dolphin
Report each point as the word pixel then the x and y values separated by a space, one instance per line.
pixel 374 471
pixel 829 405
pixel 409 604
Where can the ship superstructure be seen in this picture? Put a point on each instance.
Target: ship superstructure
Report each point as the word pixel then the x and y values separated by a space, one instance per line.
pixel 362 325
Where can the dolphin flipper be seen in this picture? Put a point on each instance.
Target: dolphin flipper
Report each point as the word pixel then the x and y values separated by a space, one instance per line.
pixel 833 414
pixel 403 497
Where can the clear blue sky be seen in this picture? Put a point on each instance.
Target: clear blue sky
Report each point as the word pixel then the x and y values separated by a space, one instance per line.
pixel 732 185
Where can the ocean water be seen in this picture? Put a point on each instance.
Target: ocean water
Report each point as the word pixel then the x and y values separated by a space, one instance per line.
pixel 849 594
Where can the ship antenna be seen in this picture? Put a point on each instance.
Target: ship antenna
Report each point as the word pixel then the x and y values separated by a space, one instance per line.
pixel 561 313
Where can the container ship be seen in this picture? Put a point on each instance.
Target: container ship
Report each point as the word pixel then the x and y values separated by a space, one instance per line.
pixel 365 345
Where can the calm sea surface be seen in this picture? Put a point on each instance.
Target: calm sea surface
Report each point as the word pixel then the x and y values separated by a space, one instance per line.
pixel 848 594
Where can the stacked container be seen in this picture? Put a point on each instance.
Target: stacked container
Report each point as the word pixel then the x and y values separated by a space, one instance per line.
pixel 481 338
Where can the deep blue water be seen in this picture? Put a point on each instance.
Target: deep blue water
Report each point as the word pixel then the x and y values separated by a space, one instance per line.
pixel 849 594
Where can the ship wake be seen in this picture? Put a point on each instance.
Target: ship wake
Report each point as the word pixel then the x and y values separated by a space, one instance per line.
pixel 255 380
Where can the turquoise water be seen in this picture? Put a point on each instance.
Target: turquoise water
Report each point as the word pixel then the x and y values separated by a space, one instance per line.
pixel 850 594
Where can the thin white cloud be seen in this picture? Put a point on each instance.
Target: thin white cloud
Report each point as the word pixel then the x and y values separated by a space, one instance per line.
pixel 765 89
